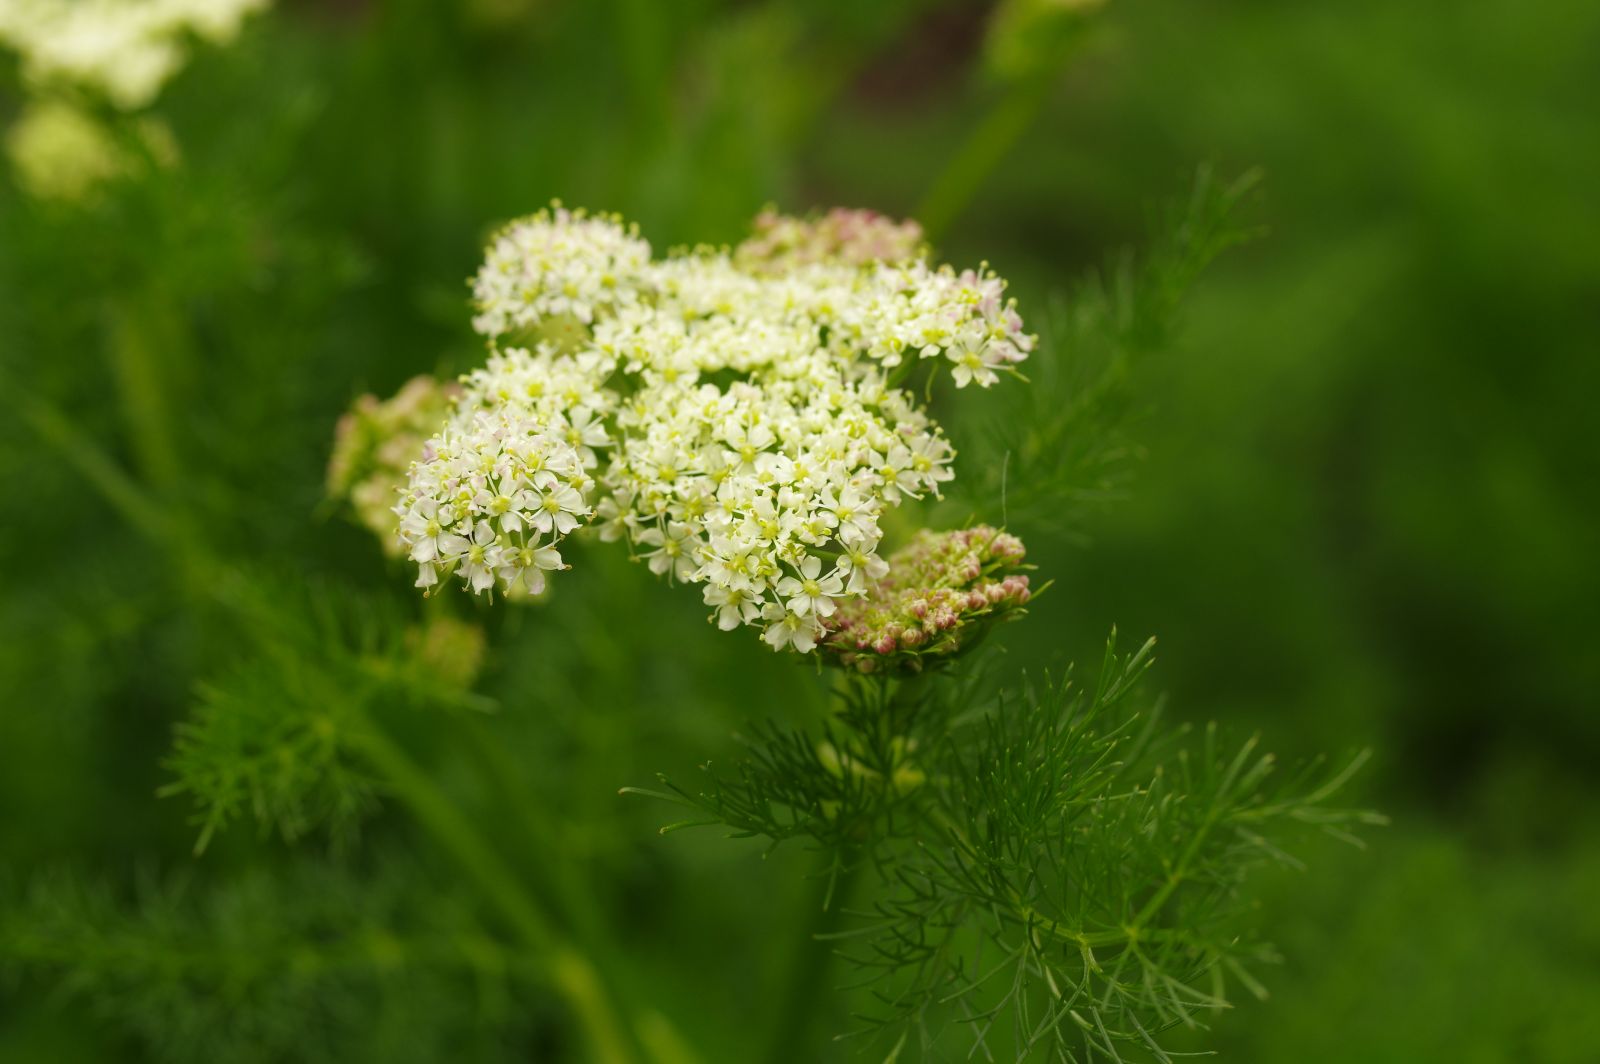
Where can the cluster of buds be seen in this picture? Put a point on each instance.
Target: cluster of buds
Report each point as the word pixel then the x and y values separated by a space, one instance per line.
pixel 842 236
pixel 942 593
pixel 447 650
pixel 374 445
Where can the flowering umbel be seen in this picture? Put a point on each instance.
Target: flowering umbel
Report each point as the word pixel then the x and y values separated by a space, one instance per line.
pixel 734 416
pixel 124 50
pixel 83 60
pixel 59 151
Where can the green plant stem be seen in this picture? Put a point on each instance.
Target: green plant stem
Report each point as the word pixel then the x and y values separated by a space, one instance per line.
pixel 572 899
pixel 981 153
pixel 97 469
pixel 573 975
pixel 576 903
pixel 139 334
pixel 809 968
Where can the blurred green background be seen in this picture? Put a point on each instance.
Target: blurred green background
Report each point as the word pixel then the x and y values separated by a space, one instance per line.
pixel 1366 515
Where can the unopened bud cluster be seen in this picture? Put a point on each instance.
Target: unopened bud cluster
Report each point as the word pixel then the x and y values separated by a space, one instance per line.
pixel 942 592
pixel 374 445
pixel 780 242
pixel 730 414
pixel 449 651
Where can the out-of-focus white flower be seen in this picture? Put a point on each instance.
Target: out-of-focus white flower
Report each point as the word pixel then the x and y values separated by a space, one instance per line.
pixel 216 21
pixel 124 50
pixel 60 152
pixel 374 445
pixel 738 411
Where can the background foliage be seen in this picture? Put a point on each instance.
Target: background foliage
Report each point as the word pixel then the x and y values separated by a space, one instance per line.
pixel 1355 497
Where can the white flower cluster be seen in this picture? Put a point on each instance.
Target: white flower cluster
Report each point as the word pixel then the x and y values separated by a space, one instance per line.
pixel 123 49
pixel 743 428
pixel 572 265
pixel 508 477
pixel 61 152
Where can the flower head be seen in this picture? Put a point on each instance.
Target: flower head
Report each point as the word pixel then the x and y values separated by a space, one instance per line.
pixel 62 152
pixel 560 267
pixel 489 501
pixel 734 417
pixel 125 50
pixel 447 651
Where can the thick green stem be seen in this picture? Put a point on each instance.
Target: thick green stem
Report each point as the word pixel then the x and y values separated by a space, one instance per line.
pixel 571 898
pixel 97 469
pixel 809 968
pixel 142 333
pixel 572 973
pixel 982 152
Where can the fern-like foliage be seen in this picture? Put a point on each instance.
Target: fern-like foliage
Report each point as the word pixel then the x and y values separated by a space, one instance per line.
pixel 1062 446
pixel 1051 865
pixel 316 963
pixel 271 742
pixel 276 735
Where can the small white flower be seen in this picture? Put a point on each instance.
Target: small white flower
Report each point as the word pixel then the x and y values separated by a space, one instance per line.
pixel 970 364
pixel 735 606
pixel 558 509
pixel 481 558
pixel 810 592
pixel 852 515
pixel 786 629
pixel 423 526
pixel 862 568
pixel 525 567
pixel 673 553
